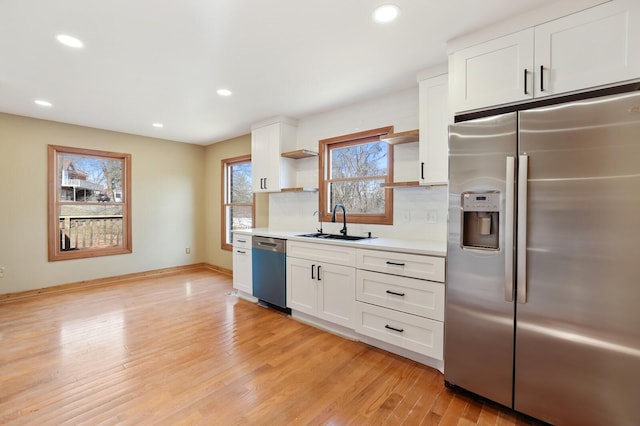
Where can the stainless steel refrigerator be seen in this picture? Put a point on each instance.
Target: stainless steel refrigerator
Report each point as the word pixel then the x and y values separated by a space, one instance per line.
pixel 543 269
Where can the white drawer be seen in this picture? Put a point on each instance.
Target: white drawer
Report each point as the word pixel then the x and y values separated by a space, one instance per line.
pixel 242 241
pixel 411 332
pixel 408 265
pixel 410 295
pixel 328 253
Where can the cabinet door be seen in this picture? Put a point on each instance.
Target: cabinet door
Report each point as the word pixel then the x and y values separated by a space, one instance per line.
pixel 242 270
pixel 302 289
pixel 496 72
pixel 265 158
pixel 337 294
pixel 434 123
pixel 597 46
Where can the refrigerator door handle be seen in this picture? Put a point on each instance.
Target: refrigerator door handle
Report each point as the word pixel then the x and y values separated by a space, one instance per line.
pixel 508 229
pixel 523 175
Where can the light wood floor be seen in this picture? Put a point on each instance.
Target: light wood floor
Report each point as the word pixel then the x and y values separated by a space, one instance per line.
pixel 180 349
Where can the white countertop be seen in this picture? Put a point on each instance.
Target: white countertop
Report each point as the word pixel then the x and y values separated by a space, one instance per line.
pixel 425 247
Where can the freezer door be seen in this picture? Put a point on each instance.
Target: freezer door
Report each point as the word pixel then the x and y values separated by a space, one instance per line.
pixel 578 330
pixel 479 308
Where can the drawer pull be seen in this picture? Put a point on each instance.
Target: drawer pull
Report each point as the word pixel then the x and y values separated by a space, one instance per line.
pixel 395 294
pixel 241 252
pixel 241 241
pixel 399 330
pixel 395 263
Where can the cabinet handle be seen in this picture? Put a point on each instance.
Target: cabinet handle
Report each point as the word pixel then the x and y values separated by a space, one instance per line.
pixel 395 294
pixel 312 276
pixel 265 183
pixel 241 252
pixel 542 78
pixel 395 263
pixel 399 330
pixel 422 170
pixel 318 272
pixel 526 92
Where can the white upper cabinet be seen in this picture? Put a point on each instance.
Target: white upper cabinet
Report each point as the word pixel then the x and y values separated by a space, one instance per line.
pixel 492 73
pixel 271 171
pixel 594 47
pixel 434 123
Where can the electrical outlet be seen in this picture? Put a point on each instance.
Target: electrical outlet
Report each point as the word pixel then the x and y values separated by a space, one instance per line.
pixel 1 271
pixel 187 250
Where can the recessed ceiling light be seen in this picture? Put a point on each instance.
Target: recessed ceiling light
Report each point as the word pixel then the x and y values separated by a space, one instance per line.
pixel 42 102
pixel 158 125
pixel 386 13
pixel 224 92
pixel 70 41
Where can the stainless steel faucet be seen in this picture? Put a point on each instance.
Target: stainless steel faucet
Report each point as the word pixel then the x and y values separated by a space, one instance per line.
pixel 317 212
pixel 343 231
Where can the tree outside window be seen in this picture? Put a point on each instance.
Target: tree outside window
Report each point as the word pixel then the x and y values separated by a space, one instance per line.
pixel 89 203
pixel 238 199
pixel 352 169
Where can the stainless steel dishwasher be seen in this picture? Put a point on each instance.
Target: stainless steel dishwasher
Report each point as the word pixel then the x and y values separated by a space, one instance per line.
pixel 269 259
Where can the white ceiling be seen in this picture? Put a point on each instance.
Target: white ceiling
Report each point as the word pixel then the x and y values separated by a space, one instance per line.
pixel 147 61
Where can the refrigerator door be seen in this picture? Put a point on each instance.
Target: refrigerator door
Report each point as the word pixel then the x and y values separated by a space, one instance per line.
pixel 479 308
pixel 578 331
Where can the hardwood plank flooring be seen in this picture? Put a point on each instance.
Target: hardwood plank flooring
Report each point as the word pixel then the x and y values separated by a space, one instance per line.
pixel 183 349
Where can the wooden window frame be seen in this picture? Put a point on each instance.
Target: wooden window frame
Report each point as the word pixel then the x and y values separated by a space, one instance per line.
pixel 358 138
pixel 54 204
pixel 224 164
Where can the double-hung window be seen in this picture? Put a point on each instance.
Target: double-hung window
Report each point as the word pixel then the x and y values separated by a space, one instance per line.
pixel 237 198
pixel 352 169
pixel 89 203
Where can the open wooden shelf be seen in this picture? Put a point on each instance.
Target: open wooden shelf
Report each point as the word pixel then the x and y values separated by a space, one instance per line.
pixel 402 137
pixel 299 153
pixel 399 184
pixel 300 189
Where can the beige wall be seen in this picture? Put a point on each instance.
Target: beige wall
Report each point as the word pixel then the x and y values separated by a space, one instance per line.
pixel 168 204
pixel 215 153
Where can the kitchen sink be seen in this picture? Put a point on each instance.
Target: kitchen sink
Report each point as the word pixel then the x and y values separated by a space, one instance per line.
pixel 324 236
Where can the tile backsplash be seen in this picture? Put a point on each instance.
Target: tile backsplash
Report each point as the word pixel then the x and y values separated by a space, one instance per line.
pixel 420 213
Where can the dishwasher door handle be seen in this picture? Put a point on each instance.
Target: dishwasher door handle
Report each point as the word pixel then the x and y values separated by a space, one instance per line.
pixel 261 243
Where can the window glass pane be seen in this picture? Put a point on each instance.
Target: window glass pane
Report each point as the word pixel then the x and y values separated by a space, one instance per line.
pixel 89 179
pixel 368 159
pixel 84 226
pixel 358 196
pixel 240 183
pixel 241 217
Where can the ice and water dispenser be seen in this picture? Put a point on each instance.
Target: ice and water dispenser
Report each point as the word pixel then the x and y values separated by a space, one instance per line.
pixel 480 220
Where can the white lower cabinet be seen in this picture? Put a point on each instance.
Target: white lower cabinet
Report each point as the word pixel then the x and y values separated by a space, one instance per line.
pixel 319 288
pixel 242 264
pixel 396 304
pixel 391 300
